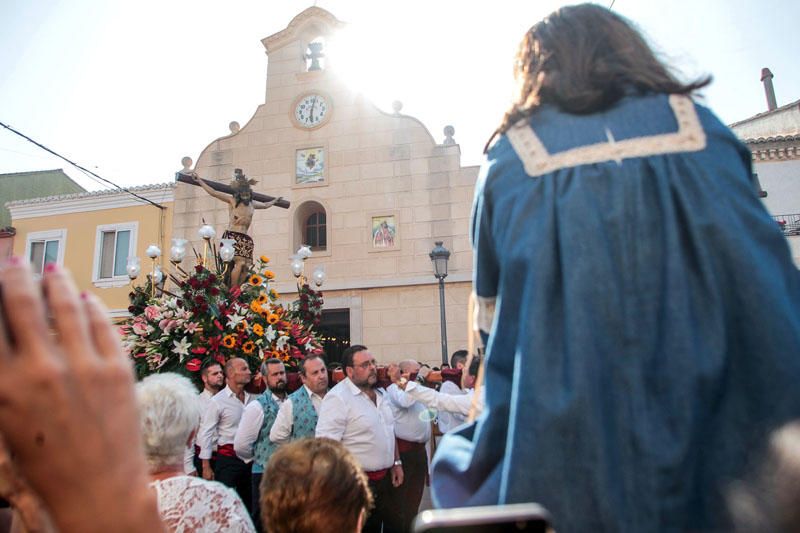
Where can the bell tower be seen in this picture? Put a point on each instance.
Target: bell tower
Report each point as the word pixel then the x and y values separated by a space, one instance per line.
pixel 298 54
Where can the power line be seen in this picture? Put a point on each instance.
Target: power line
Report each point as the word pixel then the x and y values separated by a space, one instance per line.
pixel 612 4
pixel 79 167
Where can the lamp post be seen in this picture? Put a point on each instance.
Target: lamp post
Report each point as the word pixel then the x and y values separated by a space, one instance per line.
pixel 439 257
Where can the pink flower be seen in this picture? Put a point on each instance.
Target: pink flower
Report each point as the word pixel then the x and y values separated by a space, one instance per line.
pixel 140 328
pixel 140 355
pixel 151 312
pixel 190 327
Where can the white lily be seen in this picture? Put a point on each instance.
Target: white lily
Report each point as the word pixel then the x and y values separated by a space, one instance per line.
pixel 234 320
pixel 181 347
pixel 281 343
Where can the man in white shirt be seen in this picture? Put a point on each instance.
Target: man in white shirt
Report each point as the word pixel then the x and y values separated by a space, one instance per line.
pixel 251 442
pixel 412 427
pixel 359 416
pixel 460 404
pixel 222 418
pixel 298 415
pixel 447 420
pixel 213 380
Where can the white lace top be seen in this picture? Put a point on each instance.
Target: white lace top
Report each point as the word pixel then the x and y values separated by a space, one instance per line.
pixel 190 504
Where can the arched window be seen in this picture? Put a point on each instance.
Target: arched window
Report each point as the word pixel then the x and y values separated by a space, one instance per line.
pixel 315 231
pixel 311 226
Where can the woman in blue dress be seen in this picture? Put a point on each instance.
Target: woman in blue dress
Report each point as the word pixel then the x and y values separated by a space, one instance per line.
pixel 639 306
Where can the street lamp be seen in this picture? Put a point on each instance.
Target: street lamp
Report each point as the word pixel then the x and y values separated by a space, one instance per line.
pixel 439 257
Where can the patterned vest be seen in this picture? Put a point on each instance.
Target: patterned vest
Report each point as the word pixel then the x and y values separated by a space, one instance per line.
pixel 263 448
pixel 304 416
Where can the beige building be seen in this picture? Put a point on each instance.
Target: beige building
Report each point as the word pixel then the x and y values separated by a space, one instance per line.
pixel 370 192
pixel 93 233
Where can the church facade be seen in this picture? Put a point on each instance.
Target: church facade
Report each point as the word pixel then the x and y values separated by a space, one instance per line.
pixel 371 193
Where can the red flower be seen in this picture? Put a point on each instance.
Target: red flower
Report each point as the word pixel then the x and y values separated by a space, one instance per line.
pixel 235 292
pixel 214 342
pixel 194 365
pixel 221 360
pixel 199 350
pixel 217 323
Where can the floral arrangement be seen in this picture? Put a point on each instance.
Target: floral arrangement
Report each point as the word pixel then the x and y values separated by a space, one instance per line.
pixel 201 318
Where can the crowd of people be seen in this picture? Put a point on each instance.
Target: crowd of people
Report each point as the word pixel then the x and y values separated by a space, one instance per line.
pixel 384 431
pixel 221 459
pixel 641 335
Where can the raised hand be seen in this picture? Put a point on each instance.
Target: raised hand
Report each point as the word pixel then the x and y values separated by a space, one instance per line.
pixel 67 406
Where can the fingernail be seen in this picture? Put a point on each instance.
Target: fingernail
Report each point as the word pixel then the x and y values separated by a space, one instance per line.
pixel 50 268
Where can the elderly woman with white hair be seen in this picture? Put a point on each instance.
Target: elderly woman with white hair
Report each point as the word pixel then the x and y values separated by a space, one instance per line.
pixel 170 414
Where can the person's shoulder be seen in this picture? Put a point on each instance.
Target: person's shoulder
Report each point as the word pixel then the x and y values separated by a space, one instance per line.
pixel 338 391
pixel 221 395
pixel 297 394
pixel 222 504
pixel 448 387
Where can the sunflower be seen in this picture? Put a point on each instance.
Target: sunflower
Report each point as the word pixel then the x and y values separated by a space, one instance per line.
pixel 241 326
pixel 274 294
pixel 264 259
pixel 248 347
pixel 229 341
pixel 262 298
pixel 255 306
pixel 263 313
pixel 272 318
pixel 269 274
pixel 255 280
pixel 258 329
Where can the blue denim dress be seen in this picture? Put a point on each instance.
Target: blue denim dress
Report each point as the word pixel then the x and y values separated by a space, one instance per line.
pixel 643 320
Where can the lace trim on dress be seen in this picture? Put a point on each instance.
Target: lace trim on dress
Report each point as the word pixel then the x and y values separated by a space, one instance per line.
pixel 484 313
pixel 690 137
pixel 194 505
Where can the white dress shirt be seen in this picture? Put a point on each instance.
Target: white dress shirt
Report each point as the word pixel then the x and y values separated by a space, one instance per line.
pixel 188 455
pixel 349 416
pixel 453 403
pixel 282 427
pixel 446 419
pixel 249 428
pixel 221 417
pixel 412 421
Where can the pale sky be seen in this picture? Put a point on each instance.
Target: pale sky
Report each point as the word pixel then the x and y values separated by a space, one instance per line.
pixel 129 88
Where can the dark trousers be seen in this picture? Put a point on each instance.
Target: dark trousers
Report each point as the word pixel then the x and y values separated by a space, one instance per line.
pixel 255 512
pixel 386 513
pixel 198 464
pixel 409 495
pixel 235 473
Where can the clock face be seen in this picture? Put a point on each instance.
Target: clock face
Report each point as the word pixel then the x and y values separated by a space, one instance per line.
pixel 311 110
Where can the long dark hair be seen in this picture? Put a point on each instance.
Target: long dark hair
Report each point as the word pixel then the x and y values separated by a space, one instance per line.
pixel 583 59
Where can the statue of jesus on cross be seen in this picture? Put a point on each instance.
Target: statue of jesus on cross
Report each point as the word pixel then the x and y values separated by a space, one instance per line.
pixel 241 207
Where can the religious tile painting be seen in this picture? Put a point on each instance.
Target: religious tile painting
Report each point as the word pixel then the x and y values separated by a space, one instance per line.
pixel 310 165
pixel 384 232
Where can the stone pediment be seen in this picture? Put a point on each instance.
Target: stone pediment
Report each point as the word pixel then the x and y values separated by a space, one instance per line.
pixel 313 21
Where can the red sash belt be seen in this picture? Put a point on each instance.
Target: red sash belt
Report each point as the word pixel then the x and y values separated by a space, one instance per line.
pixel 377 475
pixel 407 445
pixel 226 450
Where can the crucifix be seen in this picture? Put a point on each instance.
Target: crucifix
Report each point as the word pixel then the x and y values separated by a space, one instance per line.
pixel 242 203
